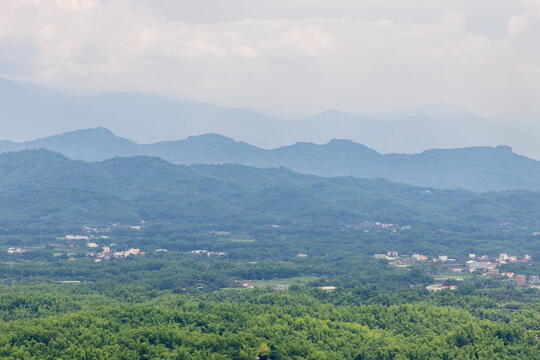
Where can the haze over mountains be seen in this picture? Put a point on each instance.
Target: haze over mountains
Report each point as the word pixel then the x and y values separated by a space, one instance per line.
pixel 476 168
pixel 480 164
pixel 30 111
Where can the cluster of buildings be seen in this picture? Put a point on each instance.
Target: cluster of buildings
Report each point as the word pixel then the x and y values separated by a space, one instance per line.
pixel 440 287
pixel 491 268
pixel 90 232
pixel 13 250
pixel 505 258
pixel 487 267
pixel 502 258
pixel 107 253
pixel 533 280
pixel 95 230
pixel 77 237
pixel 208 253
pixel 85 237
pixel 476 264
pixel 406 260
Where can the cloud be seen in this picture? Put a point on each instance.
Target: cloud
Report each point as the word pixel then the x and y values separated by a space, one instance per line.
pixel 533 5
pixel 76 5
pixel 517 24
pixel 527 20
pixel 299 56
pixel 303 41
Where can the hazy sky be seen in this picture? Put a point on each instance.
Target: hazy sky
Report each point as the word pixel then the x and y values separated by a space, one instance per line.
pixel 285 56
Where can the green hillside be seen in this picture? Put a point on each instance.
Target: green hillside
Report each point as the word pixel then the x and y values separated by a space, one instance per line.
pixel 239 262
pixel 40 186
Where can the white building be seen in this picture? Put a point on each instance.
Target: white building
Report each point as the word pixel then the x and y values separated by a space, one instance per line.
pixel 77 237
pixel 15 251
pixel 480 265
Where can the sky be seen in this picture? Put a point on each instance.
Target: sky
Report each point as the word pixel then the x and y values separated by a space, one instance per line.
pixel 285 57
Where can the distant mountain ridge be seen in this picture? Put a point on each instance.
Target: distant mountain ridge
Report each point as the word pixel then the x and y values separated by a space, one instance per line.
pixel 476 168
pixel 29 111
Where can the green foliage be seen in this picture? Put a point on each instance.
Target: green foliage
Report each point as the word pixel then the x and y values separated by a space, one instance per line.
pixel 43 187
pixel 243 325
pixel 178 305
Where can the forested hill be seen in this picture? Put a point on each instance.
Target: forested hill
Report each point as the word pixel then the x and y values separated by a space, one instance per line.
pixel 44 187
pixel 477 169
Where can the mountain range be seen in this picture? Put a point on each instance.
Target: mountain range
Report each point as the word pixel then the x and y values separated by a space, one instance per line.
pixel 476 168
pixel 29 111
pixel 38 186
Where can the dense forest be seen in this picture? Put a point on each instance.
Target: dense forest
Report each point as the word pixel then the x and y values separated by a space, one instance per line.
pixel 52 322
pixel 41 186
pixel 137 258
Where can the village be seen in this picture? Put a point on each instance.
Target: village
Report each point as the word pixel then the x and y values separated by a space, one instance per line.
pixel 108 252
pixel 95 239
pixel 99 243
pixel 105 253
pixel 473 265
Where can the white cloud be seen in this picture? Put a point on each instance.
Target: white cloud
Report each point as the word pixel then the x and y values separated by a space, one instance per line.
pixel 49 31
pixel 305 41
pixel 526 21
pixel 76 5
pixel 517 24
pixel 533 5
pixel 356 55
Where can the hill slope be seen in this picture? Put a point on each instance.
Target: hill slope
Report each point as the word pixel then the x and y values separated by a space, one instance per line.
pixel 477 168
pixel 45 187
